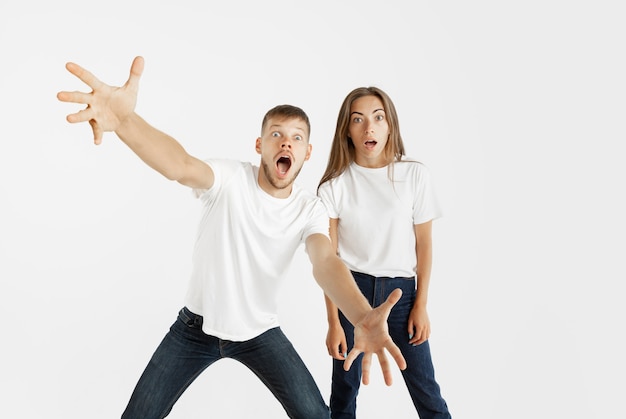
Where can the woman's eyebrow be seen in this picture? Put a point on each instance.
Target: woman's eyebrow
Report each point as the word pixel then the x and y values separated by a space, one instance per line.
pixel 374 111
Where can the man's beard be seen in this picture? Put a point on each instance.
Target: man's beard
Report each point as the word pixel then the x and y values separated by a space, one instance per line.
pixel 278 183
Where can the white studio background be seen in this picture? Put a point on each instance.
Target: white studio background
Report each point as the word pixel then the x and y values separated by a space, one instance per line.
pixel 517 108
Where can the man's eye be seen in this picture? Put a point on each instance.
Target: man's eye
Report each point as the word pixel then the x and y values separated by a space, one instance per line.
pixel 299 138
pixel 276 134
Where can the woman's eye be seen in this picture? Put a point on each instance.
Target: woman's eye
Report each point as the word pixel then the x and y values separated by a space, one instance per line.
pixel 379 117
pixel 357 120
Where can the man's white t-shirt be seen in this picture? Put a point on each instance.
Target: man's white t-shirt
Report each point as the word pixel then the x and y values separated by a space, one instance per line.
pixel 376 216
pixel 245 244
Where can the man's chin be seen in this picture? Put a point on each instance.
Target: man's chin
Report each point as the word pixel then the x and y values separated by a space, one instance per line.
pixel 281 183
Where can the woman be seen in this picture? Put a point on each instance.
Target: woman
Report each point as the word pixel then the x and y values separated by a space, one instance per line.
pixel 381 207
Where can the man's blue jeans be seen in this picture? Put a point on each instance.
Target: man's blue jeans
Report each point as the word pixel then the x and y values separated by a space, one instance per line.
pixel 419 375
pixel 186 351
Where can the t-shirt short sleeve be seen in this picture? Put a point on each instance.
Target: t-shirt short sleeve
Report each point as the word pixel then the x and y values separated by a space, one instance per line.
pixel 426 205
pixel 327 197
pixel 222 169
pixel 318 221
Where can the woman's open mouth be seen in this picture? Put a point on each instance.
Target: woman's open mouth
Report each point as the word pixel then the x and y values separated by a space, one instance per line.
pixel 370 144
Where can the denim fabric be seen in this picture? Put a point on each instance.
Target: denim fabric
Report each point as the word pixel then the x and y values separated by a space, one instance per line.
pixel 419 375
pixel 186 351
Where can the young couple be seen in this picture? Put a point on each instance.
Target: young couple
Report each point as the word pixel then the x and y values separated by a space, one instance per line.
pixel 381 208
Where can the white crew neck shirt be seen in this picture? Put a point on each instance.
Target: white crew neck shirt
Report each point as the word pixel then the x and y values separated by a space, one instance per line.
pixel 376 216
pixel 245 243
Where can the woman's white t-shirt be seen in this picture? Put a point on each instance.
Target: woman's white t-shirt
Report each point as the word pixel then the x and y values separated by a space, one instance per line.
pixel 376 216
pixel 245 243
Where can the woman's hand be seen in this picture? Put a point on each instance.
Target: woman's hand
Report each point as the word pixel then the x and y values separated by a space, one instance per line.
pixel 336 342
pixel 419 325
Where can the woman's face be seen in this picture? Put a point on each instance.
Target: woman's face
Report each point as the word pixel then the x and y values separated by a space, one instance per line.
pixel 369 131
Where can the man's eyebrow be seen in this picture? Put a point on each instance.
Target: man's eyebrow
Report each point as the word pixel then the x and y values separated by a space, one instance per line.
pixel 278 126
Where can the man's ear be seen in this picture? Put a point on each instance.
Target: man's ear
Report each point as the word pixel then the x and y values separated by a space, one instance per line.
pixel 257 146
pixel 308 153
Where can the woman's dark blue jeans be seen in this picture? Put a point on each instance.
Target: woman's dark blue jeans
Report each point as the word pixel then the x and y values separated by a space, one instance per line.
pixel 419 375
pixel 186 351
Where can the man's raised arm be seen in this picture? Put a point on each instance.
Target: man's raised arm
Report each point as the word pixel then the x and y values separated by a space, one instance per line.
pixel 112 109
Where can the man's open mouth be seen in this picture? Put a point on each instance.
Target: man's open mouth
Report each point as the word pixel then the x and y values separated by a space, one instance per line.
pixel 283 164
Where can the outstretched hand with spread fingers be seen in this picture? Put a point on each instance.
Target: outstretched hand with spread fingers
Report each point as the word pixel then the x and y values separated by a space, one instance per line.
pixel 107 106
pixel 372 332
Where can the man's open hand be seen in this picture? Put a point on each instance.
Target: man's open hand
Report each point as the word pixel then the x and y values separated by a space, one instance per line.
pixel 371 335
pixel 107 106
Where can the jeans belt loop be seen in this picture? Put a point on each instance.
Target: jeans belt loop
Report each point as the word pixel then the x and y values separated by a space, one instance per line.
pixel 185 318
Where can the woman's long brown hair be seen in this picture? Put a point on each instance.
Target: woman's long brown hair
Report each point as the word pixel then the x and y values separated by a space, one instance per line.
pixel 342 152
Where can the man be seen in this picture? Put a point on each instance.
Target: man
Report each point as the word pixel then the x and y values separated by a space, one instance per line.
pixel 253 220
